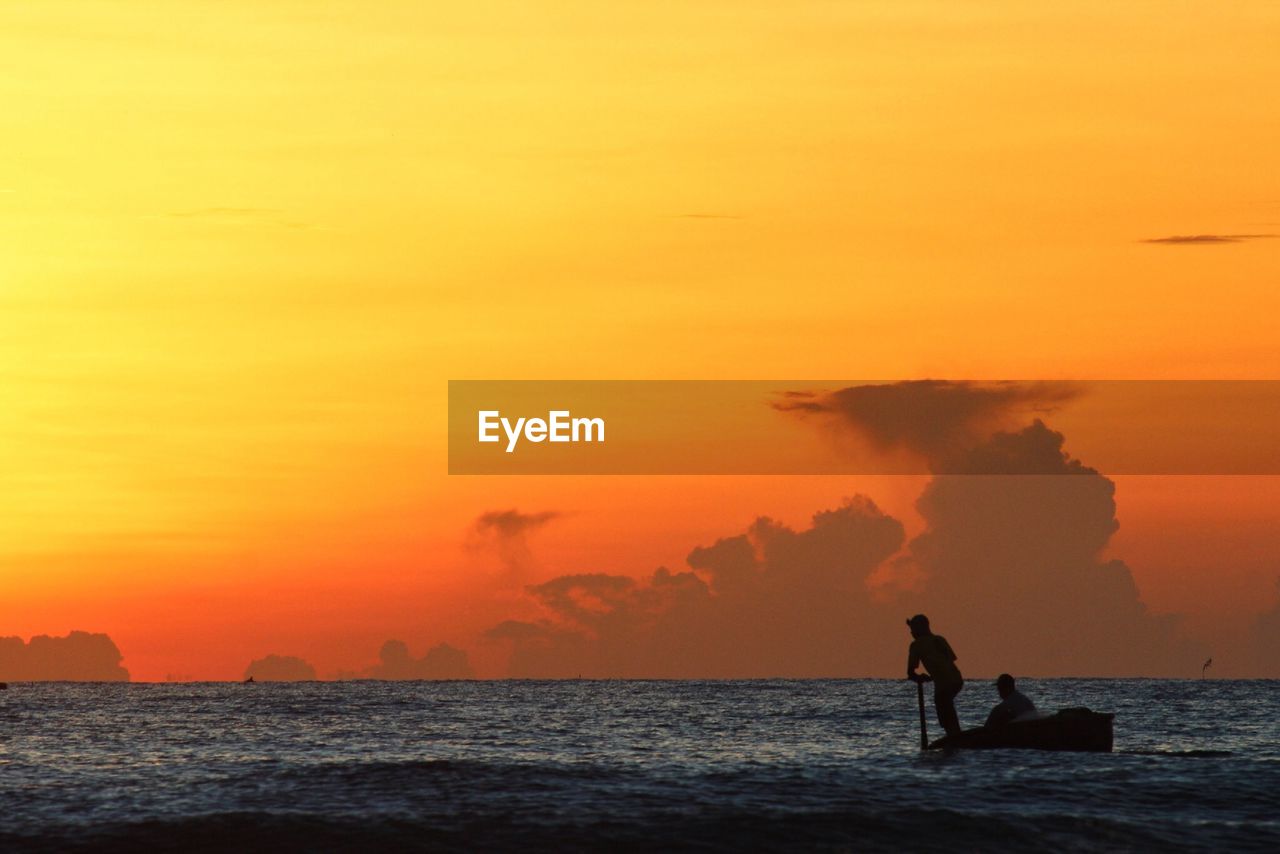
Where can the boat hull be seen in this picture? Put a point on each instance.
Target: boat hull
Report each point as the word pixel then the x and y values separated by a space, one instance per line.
pixel 1078 730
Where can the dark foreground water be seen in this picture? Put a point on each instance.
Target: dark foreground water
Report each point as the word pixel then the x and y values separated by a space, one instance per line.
pixel 811 765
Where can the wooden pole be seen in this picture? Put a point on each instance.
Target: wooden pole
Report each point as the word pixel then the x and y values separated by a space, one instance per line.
pixel 924 732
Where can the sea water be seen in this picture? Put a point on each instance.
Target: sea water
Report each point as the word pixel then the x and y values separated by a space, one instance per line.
pixel 831 765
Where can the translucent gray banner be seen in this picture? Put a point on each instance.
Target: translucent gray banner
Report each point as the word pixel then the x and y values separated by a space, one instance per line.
pixel 1164 427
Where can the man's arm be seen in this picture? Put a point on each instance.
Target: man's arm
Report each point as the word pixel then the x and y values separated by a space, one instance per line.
pixel 913 661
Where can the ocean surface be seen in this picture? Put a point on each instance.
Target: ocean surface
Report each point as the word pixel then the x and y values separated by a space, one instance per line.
pixel 622 765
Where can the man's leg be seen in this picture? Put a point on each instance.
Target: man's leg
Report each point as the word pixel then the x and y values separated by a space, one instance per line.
pixel 944 700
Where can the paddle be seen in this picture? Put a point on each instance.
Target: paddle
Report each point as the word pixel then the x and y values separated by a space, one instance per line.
pixel 924 732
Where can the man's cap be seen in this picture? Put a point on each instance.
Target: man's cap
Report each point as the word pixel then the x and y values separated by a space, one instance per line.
pixel 919 620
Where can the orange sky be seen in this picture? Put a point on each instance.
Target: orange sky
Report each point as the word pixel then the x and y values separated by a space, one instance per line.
pixel 244 246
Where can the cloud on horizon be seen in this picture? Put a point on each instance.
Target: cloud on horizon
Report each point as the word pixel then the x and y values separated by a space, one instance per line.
pixel 442 661
pixel 395 663
pixel 78 657
pixel 280 668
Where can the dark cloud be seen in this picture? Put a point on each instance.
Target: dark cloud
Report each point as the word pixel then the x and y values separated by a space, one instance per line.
pixel 512 523
pixel 78 657
pixel 772 601
pixel 730 563
pixel 280 668
pixel 515 630
pixel 442 661
pixel 506 533
pixel 940 420
pixel 1014 565
pixel 585 599
pixel 1034 450
pixel 1012 568
pixel 1195 239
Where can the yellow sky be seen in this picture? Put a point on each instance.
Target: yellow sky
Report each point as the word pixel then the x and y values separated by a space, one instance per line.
pixel 244 245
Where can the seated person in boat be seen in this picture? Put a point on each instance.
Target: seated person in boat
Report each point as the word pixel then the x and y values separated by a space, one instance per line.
pixel 939 660
pixel 1013 704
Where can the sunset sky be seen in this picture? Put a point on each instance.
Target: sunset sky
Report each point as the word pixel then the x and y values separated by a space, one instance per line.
pixel 244 247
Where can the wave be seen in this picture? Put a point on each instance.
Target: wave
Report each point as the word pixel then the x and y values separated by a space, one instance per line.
pixel 1203 754
pixel 851 827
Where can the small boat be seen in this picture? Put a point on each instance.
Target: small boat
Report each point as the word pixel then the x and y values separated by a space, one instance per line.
pixel 1078 730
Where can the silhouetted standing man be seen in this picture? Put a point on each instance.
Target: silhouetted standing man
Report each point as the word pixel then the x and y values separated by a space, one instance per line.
pixel 939 660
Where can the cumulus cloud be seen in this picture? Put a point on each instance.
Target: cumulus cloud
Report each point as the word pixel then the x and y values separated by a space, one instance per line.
pixel 1202 239
pixel 1011 565
pixel 940 420
pixel 77 657
pixel 771 601
pixel 280 668
pixel 442 661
